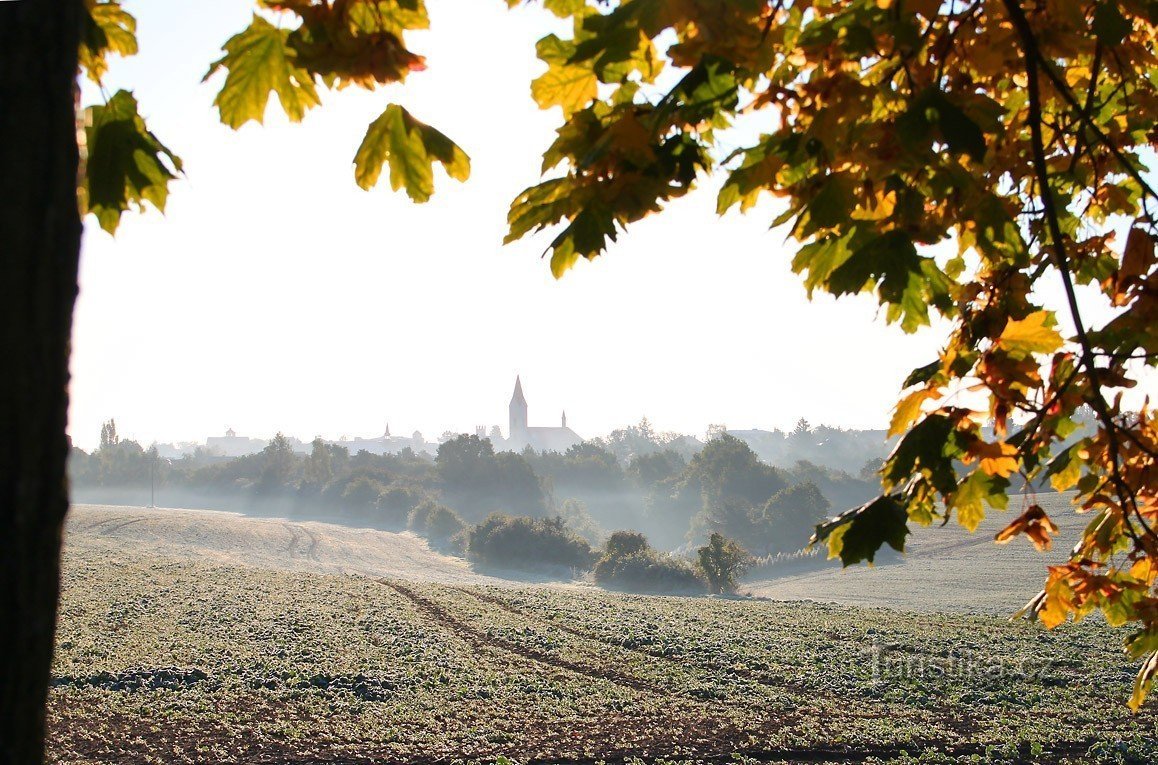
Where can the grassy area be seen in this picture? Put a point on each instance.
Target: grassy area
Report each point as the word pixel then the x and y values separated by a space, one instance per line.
pixel 943 568
pixel 169 660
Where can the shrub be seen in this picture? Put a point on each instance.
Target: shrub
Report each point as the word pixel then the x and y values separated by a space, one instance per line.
pixel 623 543
pixel 438 523
pixel 722 562
pixel 630 563
pixel 396 502
pixel 527 543
pixel 360 496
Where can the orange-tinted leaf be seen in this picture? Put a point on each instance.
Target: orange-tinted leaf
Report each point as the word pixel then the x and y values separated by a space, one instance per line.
pixel 1034 523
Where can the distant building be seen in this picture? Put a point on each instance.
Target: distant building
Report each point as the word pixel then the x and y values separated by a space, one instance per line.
pixel 521 434
pixel 384 444
pixel 233 445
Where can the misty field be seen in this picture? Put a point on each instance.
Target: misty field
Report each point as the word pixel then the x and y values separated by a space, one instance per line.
pixel 196 638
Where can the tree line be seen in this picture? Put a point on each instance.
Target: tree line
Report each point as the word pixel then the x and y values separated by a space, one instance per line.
pixel 675 500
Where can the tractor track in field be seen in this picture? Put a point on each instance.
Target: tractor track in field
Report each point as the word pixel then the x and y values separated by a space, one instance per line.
pixel 104 528
pixel 297 531
pixel 681 662
pixel 963 725
pixel 479 639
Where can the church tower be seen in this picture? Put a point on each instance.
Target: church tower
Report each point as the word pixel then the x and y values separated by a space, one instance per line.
pixel 518 412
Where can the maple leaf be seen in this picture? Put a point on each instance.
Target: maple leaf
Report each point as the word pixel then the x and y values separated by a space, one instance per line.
pixel 1143 682
pixel 1034 523
pixel 108 28
pixel 857 534
pixel 259 61
pixel 126 164
pixel 568 86
pixel 410 148
pixel 995 458
pixel 973 493
pixel 1033 334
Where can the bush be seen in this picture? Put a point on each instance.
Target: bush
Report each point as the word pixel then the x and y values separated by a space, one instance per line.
pixel 438 523
pixel 623 543
pixel 630 563
pixel 527 543
pixel 722 562
pixel 360 496
pixel 396 503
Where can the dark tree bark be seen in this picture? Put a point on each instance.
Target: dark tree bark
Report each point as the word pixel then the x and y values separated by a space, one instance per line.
pixel 39 251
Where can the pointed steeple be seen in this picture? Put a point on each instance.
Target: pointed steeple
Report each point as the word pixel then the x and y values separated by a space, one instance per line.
pixel 518 414
pixel 517 396
pixel 564 418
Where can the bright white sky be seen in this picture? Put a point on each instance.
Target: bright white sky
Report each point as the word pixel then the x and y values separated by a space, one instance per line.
pixel 276 295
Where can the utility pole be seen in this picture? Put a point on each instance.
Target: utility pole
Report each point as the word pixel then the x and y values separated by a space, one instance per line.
pixel 153 478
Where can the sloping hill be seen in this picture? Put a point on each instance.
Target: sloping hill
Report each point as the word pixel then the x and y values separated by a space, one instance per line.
pixel 943 569
pixel 271 543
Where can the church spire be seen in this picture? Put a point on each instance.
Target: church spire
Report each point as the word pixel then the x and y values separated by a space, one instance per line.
pixel 518 413
pixel 517 396
pixel 564 418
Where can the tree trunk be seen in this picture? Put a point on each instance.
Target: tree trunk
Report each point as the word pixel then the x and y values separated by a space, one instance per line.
pixel 39 252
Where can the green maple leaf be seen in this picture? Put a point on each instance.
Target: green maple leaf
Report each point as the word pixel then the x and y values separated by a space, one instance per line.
pixel 259 61
pixel 410 148
pixel 568 86
pixel 126 163
pixel 857 534
pixel 974 493
pixel 107 28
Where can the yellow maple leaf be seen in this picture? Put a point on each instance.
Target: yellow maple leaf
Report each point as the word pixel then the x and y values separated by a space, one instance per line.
pixel 907 411
pixel 997 458
pixel 1033 334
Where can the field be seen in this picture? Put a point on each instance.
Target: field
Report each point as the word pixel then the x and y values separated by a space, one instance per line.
pixel 944 568
pixel 205 637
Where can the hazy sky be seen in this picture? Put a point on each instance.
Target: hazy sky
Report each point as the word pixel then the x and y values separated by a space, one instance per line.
pixel 276 295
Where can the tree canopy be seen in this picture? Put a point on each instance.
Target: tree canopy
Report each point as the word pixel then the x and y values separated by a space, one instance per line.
pixel 951 157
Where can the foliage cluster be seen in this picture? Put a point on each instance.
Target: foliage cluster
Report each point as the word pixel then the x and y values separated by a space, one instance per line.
pixel 630 563
pixel 527 543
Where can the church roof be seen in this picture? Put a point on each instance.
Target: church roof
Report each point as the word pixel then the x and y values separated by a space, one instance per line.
pixel 552 439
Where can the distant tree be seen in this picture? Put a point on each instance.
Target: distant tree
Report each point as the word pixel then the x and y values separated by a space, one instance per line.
pixel 726 468
pixel 627 442
pixel 802 429
pixel 649 470
pixel 516 487
pixel 715 431
pixel 574 513
pixel 477 481
pixel 319 468
pixel 786 521
pixel 464 461
pixel 109 437
pixel 722 562
pixel 872 468
pixel 278 461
